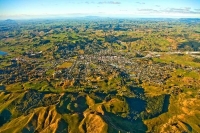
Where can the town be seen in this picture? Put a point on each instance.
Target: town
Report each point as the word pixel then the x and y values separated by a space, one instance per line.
pixel 100 75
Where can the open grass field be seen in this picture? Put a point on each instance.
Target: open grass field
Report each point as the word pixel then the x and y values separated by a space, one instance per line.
pixel 65 65
pixel 100 76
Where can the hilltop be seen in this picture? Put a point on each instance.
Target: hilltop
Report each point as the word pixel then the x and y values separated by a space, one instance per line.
pixel 100 75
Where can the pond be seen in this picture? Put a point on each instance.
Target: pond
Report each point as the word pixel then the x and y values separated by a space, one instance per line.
pixel 3 53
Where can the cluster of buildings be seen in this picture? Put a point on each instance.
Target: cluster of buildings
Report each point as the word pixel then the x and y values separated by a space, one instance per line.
pixel 89 70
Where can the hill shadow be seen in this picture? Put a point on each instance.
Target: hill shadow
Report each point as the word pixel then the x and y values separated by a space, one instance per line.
pixel 190 45
pixel 166 103
pixel 2 87
pixel 117 123
pixel 5 116
pixel 139 92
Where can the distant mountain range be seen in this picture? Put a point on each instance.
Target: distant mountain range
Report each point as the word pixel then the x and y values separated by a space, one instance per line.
pixel 11 21
pixel 8 22
pixel 189 19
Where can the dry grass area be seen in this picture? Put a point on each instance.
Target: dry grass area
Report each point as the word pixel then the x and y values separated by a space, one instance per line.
pixel 94 124
pixel 44 120
pixel 184 60
pixel 66 65
pixel 182 116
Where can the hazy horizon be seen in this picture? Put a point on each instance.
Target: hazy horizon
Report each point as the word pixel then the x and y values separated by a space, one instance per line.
pixel 22 9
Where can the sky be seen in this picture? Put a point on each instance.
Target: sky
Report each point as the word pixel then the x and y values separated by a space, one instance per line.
pixel 19 9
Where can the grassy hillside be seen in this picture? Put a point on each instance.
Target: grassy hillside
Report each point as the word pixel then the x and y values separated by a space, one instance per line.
pixel 100 76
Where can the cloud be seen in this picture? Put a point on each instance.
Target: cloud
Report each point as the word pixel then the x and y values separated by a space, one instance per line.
pixel 142 3
pixel 148 10
pixel 185 10
pixel 197 9
pixel 88 2
pixel 123 10
pixel 109 2
pixel 177 10
pixel 157 5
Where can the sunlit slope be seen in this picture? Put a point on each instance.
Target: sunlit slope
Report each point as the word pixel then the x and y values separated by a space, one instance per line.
pixel 175 108
pixel 43 119
pixel 183 116
pixel 76 112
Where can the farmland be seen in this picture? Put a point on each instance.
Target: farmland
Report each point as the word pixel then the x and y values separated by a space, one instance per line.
pixel 100 75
